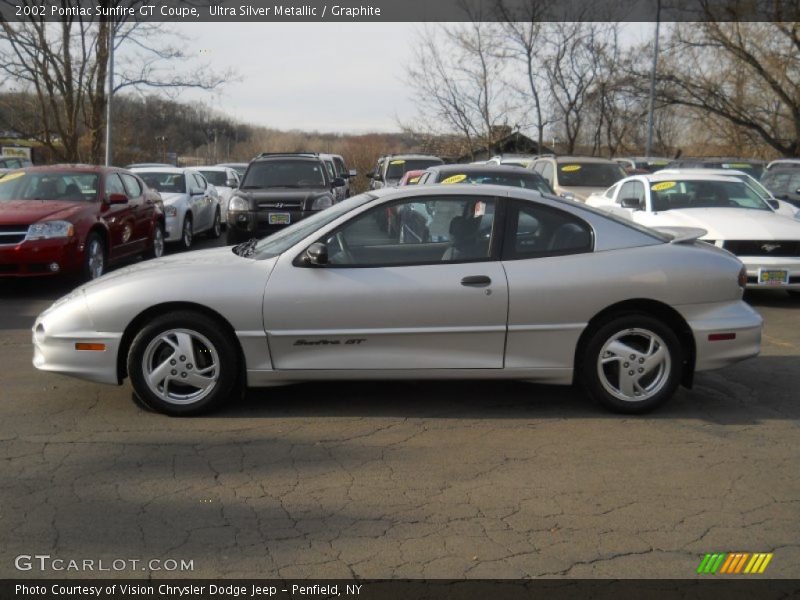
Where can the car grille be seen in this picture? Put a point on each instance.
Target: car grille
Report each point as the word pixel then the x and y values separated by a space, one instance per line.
pixel 12 234
pixel 763 248
pixel 281 204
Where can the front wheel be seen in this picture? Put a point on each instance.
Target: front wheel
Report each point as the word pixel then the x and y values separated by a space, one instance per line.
pixel 157 249
pixel 183 363
pixel 187 233
pixel 632 364
pixel 94 257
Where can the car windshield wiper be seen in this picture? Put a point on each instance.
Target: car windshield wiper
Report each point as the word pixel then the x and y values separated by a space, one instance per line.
pixel 247 248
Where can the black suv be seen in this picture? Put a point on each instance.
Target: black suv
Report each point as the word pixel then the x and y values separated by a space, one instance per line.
pixel 279 189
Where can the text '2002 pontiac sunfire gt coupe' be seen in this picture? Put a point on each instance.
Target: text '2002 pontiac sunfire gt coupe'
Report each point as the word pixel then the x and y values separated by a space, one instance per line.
pixel 471 282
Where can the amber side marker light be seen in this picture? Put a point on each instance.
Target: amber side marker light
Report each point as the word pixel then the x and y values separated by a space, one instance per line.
pixel 721 337
pixel 94 347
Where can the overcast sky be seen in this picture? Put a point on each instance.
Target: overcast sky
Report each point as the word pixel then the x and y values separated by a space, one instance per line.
pixel 336 77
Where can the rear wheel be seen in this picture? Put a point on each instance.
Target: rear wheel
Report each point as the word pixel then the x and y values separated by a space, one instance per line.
pixel 183 363
pixel 187 232
pixel 157 249
pixel 94 257
pixel 632 363
pixel 216 227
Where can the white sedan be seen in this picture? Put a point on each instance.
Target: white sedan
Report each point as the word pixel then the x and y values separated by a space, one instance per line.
pixel 191 204
pixel 225 180
pixel 732 214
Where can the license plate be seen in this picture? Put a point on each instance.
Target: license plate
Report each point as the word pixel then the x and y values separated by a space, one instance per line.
pixel 279 218
pixel 773 277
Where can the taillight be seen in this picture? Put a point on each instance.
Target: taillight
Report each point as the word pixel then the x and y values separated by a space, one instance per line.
pixel 743 277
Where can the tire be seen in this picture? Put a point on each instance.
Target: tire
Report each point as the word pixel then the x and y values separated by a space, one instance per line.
pixel 631 385
pixel 94 257
pixel 199 362
pixel 216 227
pixel 157 248
pixel 187 233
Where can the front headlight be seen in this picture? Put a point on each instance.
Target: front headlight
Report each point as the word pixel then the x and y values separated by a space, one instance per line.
pixel 321 203
pixel 171 211
pixel 48 230
pixel 238 203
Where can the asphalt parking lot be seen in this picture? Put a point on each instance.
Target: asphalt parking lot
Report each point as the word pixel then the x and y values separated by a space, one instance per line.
pixel 495 479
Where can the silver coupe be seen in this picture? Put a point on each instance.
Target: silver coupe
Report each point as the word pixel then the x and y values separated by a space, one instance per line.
pixel 430 282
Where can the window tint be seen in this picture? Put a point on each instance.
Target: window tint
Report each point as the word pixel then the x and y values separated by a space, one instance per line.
pixel 132 186
pixel 284 173
pixel 426 230
pixel 168 183
pixel 114 185
pixel 589 174
pixel 340 166
pixel 218 178
pixel 538 231
pixel 398 167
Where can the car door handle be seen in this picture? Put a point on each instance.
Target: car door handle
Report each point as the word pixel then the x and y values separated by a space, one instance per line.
pixel 476 280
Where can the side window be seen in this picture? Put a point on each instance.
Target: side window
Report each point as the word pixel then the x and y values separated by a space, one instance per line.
pixel 547 172
pixel 340 166
pixel 132 186
pixel 632 189
pixel 538 167
pixel 199 185
pixel 536 231
pixel 114 185
pixel 416 231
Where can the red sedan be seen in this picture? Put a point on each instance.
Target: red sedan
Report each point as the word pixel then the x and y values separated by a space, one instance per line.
pixel 76 220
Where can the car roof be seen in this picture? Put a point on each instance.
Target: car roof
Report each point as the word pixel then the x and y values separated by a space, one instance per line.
pixel 221 168
pixel 484 168
pixel 231 165
pixel 411 156
pixel 582 159
pixel 703 171
pixel 661 176
pixel 69 167
pixel 285 155
pixel 171 170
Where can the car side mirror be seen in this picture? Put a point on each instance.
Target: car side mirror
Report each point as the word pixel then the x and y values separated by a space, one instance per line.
pixel 352 173
pixel 338 182
pixel 316 254
pixel 117 199
pixel 633 203
pixel 773 203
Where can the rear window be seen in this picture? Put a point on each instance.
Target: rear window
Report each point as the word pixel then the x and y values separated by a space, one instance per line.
pixel 398 167
pixel 219 178
pixel 586 174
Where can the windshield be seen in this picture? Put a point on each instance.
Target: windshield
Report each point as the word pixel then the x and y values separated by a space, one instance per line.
pixel 49 185
pixel 219 178
pixel 596 175
pixel 280 242
pixel 529 181
pixel 782 183
pixel 398 167
pixel 168 183
pixel 668 195
pixel 284 174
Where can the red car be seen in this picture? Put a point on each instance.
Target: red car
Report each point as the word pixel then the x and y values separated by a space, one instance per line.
pixel 75 220
pixel 411 177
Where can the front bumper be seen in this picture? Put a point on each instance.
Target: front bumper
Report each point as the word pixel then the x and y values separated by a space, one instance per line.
pixel 34 258
pixel 755 263
pixel 56 333
pixel 710 321
pixel 253 222
pixel 172 229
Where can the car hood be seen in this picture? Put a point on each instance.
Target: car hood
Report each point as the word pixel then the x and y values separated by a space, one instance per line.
pixel 31 211
pixel 733 223
pixel 172 198
pixel 582 193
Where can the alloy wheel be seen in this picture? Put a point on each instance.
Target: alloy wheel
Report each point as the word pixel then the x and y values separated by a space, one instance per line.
pixel 634 365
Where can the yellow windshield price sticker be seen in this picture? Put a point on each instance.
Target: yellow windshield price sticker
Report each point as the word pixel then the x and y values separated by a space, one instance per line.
pixel 11 176
pixel 664 185
pixel 413 180
pixel 397 162
pixel 455 179
pixel 570 168
pixel 737 166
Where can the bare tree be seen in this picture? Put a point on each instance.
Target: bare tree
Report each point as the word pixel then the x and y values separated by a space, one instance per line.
pixel 64 65
pixel 747 74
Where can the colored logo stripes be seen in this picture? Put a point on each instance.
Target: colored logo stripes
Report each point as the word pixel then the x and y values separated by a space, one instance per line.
pixel 734 563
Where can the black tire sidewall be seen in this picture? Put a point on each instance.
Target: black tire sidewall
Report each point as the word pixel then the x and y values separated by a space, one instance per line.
pixel 184 245
pixel 226 350
pixel 216 226
pixel 588 365
pixel 152 252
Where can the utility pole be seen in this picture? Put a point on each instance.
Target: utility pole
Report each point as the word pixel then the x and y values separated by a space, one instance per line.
pixel 110 91
pixel 649 148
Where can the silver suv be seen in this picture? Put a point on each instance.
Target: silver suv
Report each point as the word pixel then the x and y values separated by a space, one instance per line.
pixel 390 169
pixel 577 177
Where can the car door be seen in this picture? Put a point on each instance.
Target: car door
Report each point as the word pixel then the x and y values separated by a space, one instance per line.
pixel 143 209
pixel 427 294
pixel 119 218
pixel 545 254
pixel 199 200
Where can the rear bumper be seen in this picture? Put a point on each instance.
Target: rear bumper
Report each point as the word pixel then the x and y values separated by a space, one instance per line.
pixel 736 323
pixel 33 258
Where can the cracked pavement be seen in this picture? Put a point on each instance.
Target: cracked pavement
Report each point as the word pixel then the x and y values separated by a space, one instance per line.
pixel 403 480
